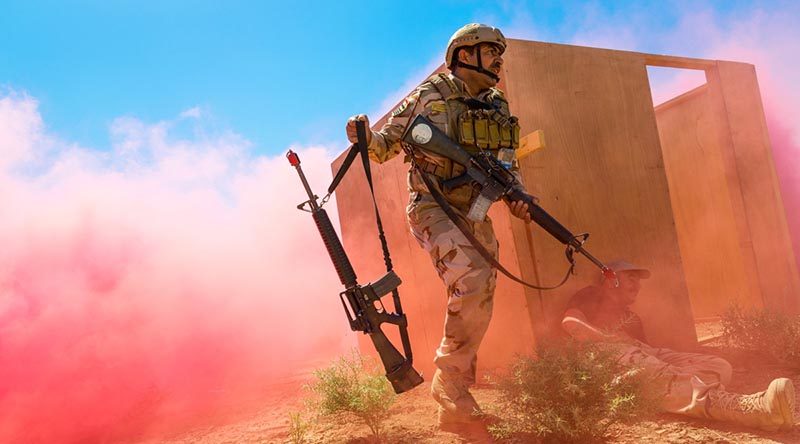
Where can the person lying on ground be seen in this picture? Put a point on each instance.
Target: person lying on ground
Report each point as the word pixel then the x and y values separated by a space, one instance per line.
pixel 692 384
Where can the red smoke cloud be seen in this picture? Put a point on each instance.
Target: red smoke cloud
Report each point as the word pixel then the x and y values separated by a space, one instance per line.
pixel 768 40
pixel 152 282
pixel 766 36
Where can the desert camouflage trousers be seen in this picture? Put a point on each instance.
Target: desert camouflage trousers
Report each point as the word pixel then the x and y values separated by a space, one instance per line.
pixel 469 279
pixel 682 378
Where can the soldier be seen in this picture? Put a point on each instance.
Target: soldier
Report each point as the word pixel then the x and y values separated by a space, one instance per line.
pixel 692 383
pixel 468 107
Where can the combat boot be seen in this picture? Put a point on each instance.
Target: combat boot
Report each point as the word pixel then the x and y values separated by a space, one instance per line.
pixel 456 404
pixel 769 410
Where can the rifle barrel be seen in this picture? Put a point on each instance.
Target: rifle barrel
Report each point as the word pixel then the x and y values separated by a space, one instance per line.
pixel 294 160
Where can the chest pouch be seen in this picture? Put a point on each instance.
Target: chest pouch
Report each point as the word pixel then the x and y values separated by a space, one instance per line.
pixel 481 122
pixel 494 134
pixel 487 129
pixel 475 130
pixel 466 133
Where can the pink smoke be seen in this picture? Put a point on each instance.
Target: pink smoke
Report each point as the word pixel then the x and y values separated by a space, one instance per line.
pixel 767 38
pixel 769 42
pixel 153 282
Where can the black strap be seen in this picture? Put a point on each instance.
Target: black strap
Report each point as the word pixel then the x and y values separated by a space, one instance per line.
pixel 361 134
pixel 351 155
pixel 360 147
pixel 467 232
pixel 479 68
pixel 473 103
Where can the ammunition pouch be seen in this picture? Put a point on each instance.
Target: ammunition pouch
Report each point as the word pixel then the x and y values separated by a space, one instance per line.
pixel 476 125
pixel 487 129
pixel 448 171
pixel 460 197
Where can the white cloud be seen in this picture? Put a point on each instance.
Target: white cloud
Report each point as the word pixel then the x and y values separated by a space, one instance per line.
pixel 191 113
pixel 20 128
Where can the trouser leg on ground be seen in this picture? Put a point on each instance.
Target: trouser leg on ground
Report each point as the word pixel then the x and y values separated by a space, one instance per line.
pixel 684 391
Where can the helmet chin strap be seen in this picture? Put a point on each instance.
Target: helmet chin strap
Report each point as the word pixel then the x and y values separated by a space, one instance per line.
pixel 479 68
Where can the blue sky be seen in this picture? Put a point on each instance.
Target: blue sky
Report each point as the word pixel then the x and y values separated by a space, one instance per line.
pixel 279 73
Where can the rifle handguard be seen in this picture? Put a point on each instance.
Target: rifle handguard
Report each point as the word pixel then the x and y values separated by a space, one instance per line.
pixel 543 218
pixel 335 249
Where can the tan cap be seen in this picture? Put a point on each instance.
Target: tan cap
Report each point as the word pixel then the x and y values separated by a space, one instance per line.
pixel 470 35
pixel 620 265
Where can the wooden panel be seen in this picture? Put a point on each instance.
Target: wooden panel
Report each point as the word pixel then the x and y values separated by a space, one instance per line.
pixel 602 172
pixel 763 207
pixel 708 235
pixel 677 62
pixel 528 144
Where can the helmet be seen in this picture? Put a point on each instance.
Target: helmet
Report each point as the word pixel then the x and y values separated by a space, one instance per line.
pixel 470 35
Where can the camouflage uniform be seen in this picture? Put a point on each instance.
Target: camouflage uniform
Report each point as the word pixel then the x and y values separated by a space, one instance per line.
pixel 469 279
pixel 682 378
pixel 693 384
pixel 671 372
pixel 689 383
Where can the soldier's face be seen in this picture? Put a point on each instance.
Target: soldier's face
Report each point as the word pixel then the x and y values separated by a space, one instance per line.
pixel 491 59
pixel 629 286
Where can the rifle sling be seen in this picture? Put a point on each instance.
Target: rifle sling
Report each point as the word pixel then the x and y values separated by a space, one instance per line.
pixel 467 232
pixel 348 160
pixel 361 148
pixel 355 149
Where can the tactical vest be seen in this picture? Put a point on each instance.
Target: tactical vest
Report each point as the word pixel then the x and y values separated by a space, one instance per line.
pixel 475 125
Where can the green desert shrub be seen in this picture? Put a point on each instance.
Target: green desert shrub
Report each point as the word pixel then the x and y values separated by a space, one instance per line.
pixel 570 392
pixel 354 386
pixel 298 428
pixel 768 332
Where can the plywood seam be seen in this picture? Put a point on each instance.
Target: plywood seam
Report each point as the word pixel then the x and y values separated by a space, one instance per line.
pixel 536 276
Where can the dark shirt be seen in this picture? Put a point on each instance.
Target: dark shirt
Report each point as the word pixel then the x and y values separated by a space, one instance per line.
pixel 605 315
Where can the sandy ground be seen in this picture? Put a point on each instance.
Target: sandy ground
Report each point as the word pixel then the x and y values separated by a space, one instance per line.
pixel 412 419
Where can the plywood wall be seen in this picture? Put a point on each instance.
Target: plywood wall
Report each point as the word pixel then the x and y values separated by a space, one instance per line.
pixel 602 172
pixel 735 93
pixel 732 227
pixel 606 171
pixel 704 190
